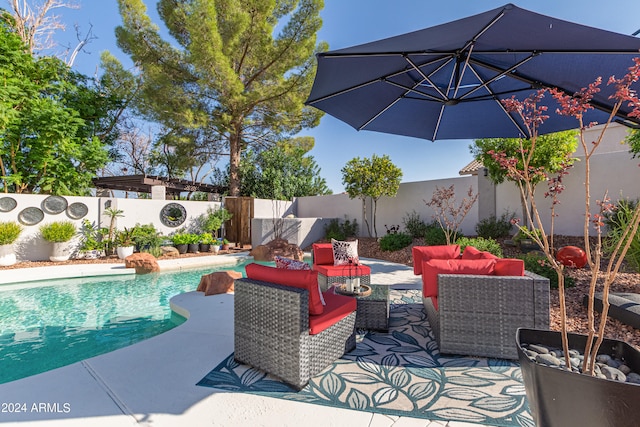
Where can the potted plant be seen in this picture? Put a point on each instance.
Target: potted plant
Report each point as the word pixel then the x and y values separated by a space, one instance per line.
pixel 146 237
pixel 181 242
pixel 125 244
pixel 206 241
pixel 193 243
pixel 573 393
pixel 91 246
pixel 9 232
pixel 113 215
pixel 213 220
pixel 59 233
pixel 225 245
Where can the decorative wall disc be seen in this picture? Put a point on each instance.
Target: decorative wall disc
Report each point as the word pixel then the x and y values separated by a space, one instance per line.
pixel 77 210
pixel 30 216
pixel 7 204
pixel 173 214
pixel 54 205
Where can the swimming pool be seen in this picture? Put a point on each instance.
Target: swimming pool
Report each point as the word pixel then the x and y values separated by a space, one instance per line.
pixel 46 325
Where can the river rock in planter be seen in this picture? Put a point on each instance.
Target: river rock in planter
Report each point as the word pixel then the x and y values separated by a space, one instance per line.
pixel 559 397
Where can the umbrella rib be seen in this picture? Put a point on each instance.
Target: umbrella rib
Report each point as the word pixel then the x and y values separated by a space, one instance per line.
pixel 435 130
pixel 485 84
pixel 424 76
pixel 470 45
pixel 379 113
pixel 484 52
pixel 497 100
pixel 464 68
pixel 413 90
pixel 539 84
pixel 389 106
pixel 367 83
pixel 473 40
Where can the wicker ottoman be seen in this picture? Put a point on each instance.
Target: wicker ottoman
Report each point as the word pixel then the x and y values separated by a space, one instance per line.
pixel 373 310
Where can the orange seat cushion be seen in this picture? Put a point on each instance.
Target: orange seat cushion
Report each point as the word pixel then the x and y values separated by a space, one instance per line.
pixel 338 307
pixel 303 279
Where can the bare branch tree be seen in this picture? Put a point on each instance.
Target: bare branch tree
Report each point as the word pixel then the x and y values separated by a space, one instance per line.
pixel 34 22
pixel 82 42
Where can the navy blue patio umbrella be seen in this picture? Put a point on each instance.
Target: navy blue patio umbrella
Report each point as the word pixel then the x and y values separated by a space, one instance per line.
pixel 446 82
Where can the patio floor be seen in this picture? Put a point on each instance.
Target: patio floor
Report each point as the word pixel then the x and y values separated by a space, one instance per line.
pixel 152 383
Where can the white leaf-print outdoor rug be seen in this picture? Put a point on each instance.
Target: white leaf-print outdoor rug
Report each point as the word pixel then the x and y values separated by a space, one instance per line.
pixel 400 373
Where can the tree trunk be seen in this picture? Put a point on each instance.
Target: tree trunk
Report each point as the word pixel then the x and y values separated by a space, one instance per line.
pixel 235 149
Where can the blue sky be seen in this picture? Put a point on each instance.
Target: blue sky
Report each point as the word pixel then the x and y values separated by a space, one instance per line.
pixel 351 22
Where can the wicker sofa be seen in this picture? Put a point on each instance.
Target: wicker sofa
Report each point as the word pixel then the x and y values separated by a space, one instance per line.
pixel 275 332
pixel 478 314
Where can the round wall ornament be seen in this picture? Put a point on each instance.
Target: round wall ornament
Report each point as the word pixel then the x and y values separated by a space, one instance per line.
pixel 173 214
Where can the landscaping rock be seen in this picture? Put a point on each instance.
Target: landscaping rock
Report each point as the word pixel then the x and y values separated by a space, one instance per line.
pixel 169 251
pixel 219 282
pixel 277 247
pixel 143 262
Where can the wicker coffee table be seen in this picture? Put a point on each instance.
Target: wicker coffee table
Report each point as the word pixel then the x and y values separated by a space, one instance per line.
pixel 373 310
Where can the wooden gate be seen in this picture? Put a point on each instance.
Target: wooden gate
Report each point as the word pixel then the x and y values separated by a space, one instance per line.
pixel 238 228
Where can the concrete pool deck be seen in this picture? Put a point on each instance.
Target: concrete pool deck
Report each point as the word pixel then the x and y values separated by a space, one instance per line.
pixel 152 383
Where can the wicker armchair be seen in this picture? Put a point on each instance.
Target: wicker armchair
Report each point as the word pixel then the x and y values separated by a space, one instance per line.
pixel 478 315
pixel 271 331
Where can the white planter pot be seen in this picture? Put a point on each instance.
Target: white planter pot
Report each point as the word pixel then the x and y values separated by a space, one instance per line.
pixel 61 252
pixel 92 254
pixel 124 251
pixel 215 248
pixel 7 256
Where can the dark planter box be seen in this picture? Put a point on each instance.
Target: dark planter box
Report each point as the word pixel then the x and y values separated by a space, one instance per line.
pixel 193 248
pixel 182 248
pixel 558 398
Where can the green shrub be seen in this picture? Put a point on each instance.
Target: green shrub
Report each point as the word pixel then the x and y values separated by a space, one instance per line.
pixel 537 263
pixel 9 232
pixel 482 244
pixel 341 230
pixel 181 239
pixel 395 241
pixel 156 251
pixel 617 223
pixel 521 235
pixel 435 235
pixel 146 236
pixel 494 228
pixel 58 231
pixel 414 225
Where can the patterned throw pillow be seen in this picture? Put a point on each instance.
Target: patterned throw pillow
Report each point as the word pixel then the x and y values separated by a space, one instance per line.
pixel 291 264
pixel 345 253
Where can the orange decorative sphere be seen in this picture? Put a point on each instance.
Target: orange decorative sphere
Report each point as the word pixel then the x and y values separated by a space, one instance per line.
pixel 572 256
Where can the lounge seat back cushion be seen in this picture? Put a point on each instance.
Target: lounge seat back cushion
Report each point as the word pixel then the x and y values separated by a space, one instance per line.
pixel 433 267
pixel 322 253
pixel 303 279
pixel 425 253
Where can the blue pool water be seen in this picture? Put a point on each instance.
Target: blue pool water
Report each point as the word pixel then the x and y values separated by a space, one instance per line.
pixel 46 325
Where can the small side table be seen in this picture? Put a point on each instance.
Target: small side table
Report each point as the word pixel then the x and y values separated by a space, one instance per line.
pixel 372 311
